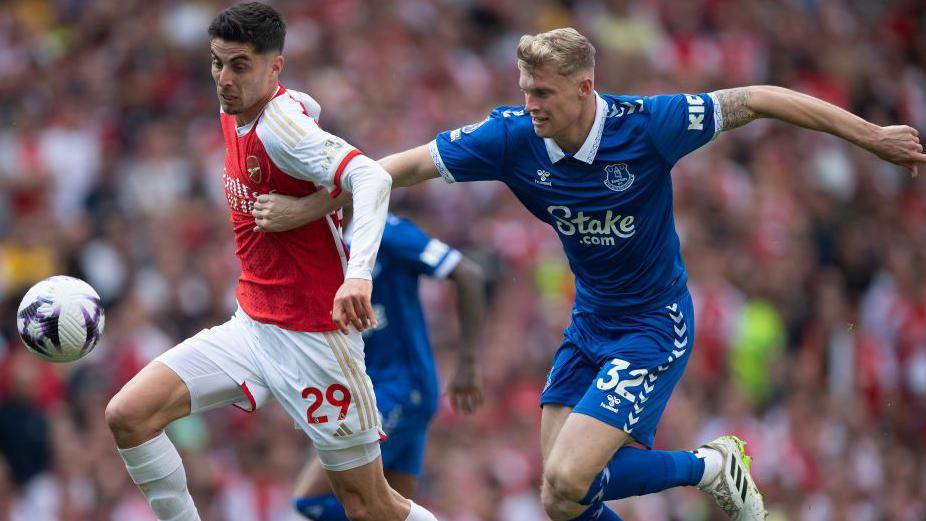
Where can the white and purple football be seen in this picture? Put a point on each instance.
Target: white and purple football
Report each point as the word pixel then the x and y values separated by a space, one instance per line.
pixel 60 319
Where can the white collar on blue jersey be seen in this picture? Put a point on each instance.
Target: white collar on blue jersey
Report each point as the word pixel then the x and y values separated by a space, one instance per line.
pixel 589 149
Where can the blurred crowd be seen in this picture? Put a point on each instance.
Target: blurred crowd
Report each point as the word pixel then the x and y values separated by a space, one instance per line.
pixel 803 251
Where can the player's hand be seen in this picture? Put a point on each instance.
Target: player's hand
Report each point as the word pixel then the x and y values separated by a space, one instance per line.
pixel 279 213
pixel 900 145
pixel 352 306
pixel 465 389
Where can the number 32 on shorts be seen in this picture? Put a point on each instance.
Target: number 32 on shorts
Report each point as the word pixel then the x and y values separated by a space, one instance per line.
pixel 620 386
pixel 316 398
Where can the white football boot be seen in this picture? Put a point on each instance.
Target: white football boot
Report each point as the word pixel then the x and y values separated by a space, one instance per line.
pixel 733 489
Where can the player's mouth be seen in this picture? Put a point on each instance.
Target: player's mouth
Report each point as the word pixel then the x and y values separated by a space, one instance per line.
pixel 538 121
pixel 227 99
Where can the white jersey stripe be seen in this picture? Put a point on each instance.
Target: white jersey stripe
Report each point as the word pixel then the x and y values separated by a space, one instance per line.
pixel 369 399
pixel 349 376
pixel 439 162
pixel 281 133
pixel 338 242
pixel 286 121
pixel 450 262
pixel 718 115
pixel 363 397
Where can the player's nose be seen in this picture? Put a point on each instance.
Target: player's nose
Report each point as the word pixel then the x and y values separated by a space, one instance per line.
pixel 530 104
pixel 224 77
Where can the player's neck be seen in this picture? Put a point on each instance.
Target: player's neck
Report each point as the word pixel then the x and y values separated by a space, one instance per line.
pixel 572 139
pixel 247 116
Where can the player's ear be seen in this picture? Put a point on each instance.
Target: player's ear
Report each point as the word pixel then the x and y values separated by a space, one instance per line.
pixel 586 86
pixel 276 66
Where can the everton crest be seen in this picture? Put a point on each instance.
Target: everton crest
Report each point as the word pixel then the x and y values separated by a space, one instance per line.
pixel 617 177
pixel 252 165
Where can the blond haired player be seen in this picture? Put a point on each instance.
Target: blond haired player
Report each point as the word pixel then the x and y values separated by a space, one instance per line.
pixel 298 294
pixel 596 167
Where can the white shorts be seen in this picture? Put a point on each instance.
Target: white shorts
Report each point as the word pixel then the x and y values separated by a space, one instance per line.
pixel 319 378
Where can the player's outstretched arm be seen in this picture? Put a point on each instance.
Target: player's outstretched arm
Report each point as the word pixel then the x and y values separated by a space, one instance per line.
pixel 410 167
pixel 465 388
pixel 899 144
pixel 279 213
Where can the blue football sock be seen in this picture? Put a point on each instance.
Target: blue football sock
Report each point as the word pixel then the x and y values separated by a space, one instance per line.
pixel 635 472
pixel 598 512
pixel 320 508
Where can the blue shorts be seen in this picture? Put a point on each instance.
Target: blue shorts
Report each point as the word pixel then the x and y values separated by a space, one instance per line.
pixel 405 425
pixel 622 369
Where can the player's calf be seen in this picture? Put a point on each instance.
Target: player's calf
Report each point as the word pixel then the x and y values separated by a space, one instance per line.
pixel 356 476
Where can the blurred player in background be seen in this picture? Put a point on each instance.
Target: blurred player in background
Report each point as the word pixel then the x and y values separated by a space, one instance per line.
pixel 285 341
pixel 399 359
pixel 597 169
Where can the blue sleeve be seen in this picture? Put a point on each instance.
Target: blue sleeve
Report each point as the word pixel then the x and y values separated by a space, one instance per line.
pixel 471 153
pixel 681 123
pixel 417 251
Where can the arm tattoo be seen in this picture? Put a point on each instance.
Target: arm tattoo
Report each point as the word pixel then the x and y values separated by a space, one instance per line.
pixel 734 105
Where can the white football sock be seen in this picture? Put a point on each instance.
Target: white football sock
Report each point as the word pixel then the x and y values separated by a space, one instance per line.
pixel 418 513
pixel 713 464
pixel 156 468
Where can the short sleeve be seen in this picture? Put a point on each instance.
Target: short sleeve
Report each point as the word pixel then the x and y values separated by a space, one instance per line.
pixel 299 147
pixel 417 251
pixel 681 123
pixel 471 153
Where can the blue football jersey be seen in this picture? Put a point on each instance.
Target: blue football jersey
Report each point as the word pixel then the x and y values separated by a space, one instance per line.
pixel 398 352
pixel 610 202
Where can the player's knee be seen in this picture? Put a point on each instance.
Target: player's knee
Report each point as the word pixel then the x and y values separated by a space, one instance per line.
pixel 127 418
pixel 118 414
pixel 556 508
pixel 562 484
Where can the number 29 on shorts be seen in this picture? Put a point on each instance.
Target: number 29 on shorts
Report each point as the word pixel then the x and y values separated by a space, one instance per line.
pixel 336 394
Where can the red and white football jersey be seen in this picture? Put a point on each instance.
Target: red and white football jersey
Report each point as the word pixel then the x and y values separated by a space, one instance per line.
pixel 288 279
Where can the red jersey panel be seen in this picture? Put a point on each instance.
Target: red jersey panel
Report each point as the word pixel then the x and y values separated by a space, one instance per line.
pixel 288 279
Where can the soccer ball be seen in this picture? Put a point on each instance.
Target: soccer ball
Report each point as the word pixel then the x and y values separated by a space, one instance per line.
pixel 60 319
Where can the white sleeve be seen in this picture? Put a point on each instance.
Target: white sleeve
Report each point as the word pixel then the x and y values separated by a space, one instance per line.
pixel 299 147
pixel 370 185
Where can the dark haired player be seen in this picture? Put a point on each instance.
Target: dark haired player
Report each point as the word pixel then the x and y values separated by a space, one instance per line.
pixel 286 340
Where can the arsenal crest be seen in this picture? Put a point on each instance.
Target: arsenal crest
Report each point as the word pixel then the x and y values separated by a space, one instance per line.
pixel 617 177
pixel 252 164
